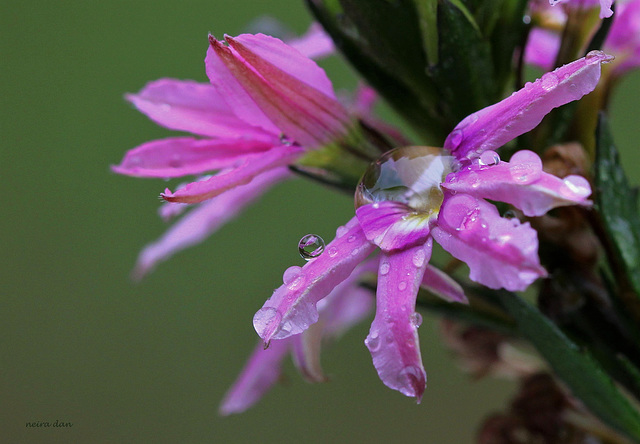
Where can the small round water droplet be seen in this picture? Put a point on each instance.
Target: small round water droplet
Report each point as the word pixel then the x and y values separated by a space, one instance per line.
pixel 576 185
pixel 351 239
pixel 411 175
pixel 419 258
pixel 489 158
pixel 416 319
pixel 332 251
pixel 384 268
pixel 290 274
pixel 341 231
pixel 549 81
pixel 310 246
pixel 373 341
pixel 402 286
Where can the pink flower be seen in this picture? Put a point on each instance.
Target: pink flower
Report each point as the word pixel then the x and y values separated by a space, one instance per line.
pixel 623 40
pixel 605 5
pixel 266 106
pixel 413 195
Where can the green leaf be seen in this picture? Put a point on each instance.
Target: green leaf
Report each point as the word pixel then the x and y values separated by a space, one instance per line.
pixel 575 366
pixel 428 19
pixel 617 206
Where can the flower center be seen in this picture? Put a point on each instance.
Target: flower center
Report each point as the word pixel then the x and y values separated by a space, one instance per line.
pixel 410 175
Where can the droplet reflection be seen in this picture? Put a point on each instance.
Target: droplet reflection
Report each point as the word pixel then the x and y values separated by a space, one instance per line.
pixel 310 246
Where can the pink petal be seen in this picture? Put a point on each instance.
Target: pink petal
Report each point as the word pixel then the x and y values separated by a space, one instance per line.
pixel 315 43
pixel 542 48
pixel 302 112
pixel 495 125
pixel 306 353
pixel 193 107
pixel 393 225
pixel 522 183
pixel 393 338
pixel 181 156
pixel 204 220
pixel 259 374
pixel 292 307
pixel 605 5
pixel 443 285
pixel 243 172
pixel 500 253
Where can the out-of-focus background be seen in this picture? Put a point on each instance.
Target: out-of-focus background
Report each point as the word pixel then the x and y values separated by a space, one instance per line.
pixel 80 343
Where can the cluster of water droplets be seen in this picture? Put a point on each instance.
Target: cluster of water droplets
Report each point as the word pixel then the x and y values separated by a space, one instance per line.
pixel 411 175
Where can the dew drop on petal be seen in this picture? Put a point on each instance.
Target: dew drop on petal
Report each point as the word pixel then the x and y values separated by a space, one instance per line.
pixel 290 274
pixel 410 374
pixel 296 283
pixel 410 175
pixel 489 157
pixel 384 268
pixel 341 231
pixel 456 138
pixel 416 319
pixel 549 81
pixel 402 286
pixel 419 258
pixel 310 246
pixel 525 167
pixel 373 341
pixel 577 185
pixel 332 251
pixel 266 321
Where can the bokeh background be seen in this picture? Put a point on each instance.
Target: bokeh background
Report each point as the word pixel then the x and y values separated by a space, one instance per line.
pixel 80 343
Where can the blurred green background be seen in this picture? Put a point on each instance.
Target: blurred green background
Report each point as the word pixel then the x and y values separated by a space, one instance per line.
pixel 80 343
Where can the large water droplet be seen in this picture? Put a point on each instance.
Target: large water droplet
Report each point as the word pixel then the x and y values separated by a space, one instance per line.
pixel 549 81
pixel 576 185
pixel 416 319
pixel 525 167
pixel 266 321
pixel 489 157
pixel 290 274
pixel 373 341
pixel 419 258
pixel 411 374
pixel 410 175
pixel 310 246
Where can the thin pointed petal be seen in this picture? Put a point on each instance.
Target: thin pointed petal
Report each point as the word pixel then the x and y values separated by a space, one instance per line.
pixel 443 285
pixel 306 353
pixel 204 220
pixel 198 108
pixel 257 377
pixel 495 125
pixel 500 253
pixel 247 168
pixel 292 307
pixel 181 156
pixel 522 183
pixel 393 338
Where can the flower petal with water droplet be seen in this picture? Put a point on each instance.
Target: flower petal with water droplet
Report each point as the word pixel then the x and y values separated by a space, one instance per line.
pixel 500 253
pixel 521 183
pixel 393 338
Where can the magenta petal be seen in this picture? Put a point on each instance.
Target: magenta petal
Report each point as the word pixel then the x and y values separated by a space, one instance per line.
pixel 315 43
pixel 495 125
pixel 500 253
pixel 306 353
pixel 542 48
pixel 261 371
pixel 243 172
pixel 522 183
pixel 292 307
pixel 303 113
pixel 393 338
pixel 181 156
pixel 204 220
pixel 443 285
pixel 193 107
pixel 393 225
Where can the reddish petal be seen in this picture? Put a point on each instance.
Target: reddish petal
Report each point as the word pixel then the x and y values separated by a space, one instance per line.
pixel 181 156
pixel 495 125
pixel 500 253
pixel 522 183
pixel 393 338
pixel 315 43
pixel 243 172
pixel 443 285
pixel 193 107
pixel 292 307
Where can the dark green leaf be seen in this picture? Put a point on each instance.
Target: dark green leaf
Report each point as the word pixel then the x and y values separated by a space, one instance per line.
pixel 575 366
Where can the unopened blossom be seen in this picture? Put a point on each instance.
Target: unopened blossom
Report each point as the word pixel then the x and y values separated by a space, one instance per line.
pixel 413 195
pixel 266 106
